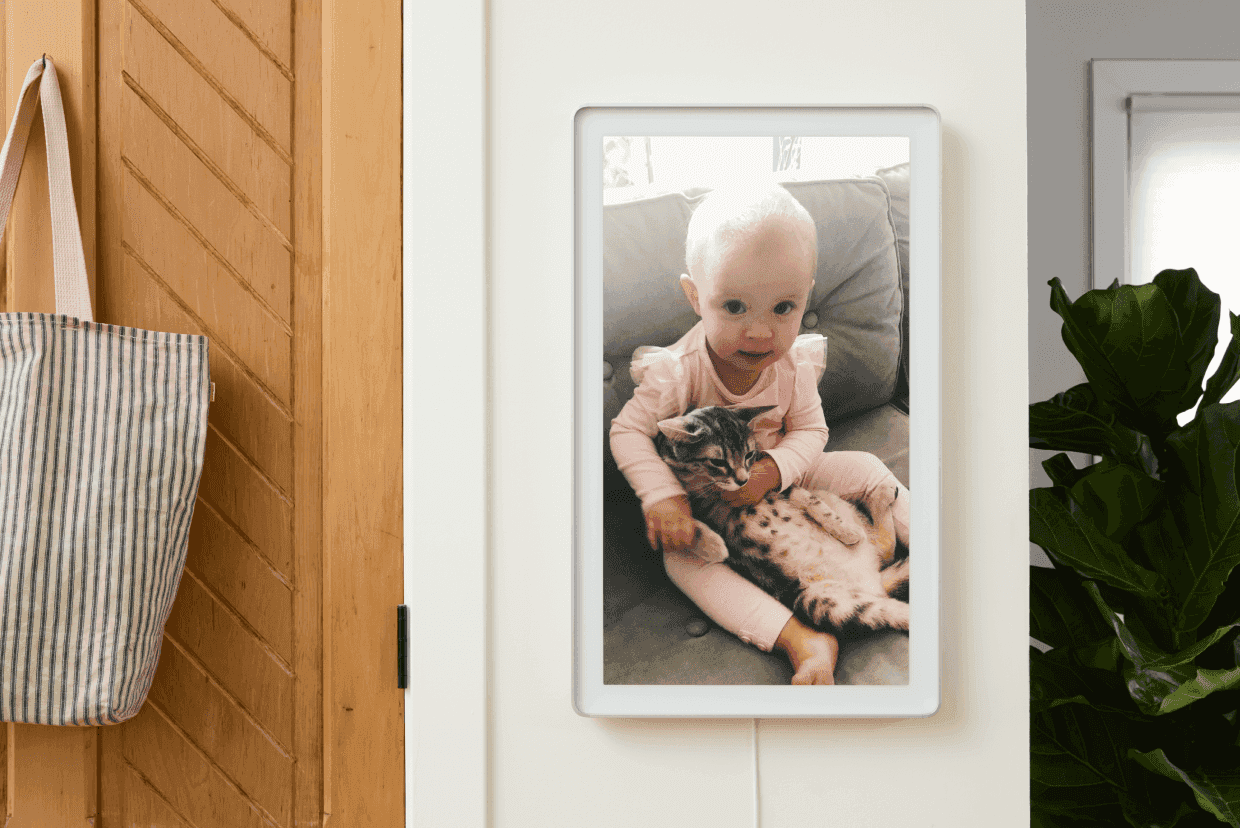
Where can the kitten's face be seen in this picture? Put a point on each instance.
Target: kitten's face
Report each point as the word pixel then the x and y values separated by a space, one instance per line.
pixel 710 447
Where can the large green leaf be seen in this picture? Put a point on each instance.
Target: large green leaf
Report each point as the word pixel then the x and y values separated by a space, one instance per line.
pixel 1228 368
pixel 1158 692
pixel 1227 605
pixel 1104 654
pixel 1204 495
pixel 1218 791
pixel 1138 797
pixel 1136 643
pixel 1130 345
pixel 1096 806
pixel 1056 679
pixel 1060 611
pixel 1158 544
pixel 1062 471
pixel 1188 655
pixel 1117 496
pixel 1197 310
pixel 1160 809
pixel 1070 745
pixel 1071 539
pixel 1063 771
pixel 1077 420
pixel 1199 686
pixel 1160 682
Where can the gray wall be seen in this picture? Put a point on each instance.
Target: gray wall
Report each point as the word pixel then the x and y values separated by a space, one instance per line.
pixel 1061 36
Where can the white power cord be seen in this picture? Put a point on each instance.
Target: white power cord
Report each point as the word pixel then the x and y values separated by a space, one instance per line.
pixel 757 797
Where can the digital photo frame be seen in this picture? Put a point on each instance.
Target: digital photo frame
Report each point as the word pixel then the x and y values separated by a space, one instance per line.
pixel 869 179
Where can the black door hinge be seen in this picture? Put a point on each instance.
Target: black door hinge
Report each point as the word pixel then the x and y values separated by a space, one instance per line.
pixel 402 646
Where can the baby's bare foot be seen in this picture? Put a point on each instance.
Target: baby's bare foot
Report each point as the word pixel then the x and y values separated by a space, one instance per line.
pixel 813 653
pixel 816 664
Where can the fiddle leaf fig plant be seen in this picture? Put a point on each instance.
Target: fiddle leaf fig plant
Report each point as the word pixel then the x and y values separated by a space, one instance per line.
pixel 1135 666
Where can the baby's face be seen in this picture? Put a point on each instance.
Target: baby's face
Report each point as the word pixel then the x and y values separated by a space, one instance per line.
pixel 753 301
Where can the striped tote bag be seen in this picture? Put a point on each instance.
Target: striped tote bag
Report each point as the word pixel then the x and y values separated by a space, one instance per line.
pixel 101 444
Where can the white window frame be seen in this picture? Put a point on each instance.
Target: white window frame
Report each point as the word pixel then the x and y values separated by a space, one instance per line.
pixel 1113 82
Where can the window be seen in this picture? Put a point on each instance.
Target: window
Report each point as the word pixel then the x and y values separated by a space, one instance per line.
pixel 635 167
pixel 1166 165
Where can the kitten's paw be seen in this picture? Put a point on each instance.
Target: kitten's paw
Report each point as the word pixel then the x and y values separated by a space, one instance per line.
pixel 883 532
pixel 824 606
pixel 882 499
pixel 708 545
pixel 817 506
pixel 885 612
pixel 895 576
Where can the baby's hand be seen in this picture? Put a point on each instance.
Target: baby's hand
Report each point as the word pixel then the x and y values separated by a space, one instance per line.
pixel 763 477
pixel 669 524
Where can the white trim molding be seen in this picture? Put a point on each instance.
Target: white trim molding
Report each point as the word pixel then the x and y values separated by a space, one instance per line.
pixel 446 424
pixel 1114 83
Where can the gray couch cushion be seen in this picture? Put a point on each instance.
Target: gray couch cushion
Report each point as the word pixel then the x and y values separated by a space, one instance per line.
pixel 897 180
pixel 856 293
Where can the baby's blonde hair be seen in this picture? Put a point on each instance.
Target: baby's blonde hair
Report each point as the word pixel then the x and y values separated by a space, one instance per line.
pixel 730 213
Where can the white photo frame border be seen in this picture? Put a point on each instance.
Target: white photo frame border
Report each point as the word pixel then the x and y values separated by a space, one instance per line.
pixel 921 696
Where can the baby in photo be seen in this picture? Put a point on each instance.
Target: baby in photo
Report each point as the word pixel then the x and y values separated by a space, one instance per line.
pixel 751 254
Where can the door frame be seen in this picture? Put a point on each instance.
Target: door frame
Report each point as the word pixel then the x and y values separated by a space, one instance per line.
pixel 446 346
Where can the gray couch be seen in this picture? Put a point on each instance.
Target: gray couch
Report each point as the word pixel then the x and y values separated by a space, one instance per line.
pixel 653 633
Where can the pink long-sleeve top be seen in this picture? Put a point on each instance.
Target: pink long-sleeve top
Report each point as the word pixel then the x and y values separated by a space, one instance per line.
pixel 673 381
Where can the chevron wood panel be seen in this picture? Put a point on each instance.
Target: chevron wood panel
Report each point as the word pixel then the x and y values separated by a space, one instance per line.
pixel 145 806
pixel 235 743
pixel 233 316
pixel 229 60
pixel 155 69
pixel 242 495
pixel 219 221
pixel 199 178
pixel 266 23
pixel 228 650
pixel 234 569
pixel 185 777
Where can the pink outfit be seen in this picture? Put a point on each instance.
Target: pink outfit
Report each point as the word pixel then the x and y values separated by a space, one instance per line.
pixel 672 381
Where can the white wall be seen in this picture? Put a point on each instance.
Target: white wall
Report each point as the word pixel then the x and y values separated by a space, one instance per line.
pixel 968 764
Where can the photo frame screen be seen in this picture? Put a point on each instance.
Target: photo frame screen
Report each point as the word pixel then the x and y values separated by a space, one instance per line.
pixel 767 277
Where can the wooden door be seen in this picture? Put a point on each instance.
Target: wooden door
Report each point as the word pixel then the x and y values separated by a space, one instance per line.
pixel 238 177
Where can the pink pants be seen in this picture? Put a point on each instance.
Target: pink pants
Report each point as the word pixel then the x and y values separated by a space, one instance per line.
pixel 741 607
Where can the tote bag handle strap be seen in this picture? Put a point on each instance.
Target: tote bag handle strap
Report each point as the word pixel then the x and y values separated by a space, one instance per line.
pixel 68 259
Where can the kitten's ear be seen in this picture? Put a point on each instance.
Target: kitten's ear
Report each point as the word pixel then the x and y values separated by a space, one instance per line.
pixel 678 429
pixel 751 414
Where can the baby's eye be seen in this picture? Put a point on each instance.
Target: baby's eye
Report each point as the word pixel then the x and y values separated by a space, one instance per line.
pixel 734 307
pixel 784 308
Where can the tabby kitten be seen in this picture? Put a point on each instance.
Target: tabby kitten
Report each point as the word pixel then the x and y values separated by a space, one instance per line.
pixel 834 567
